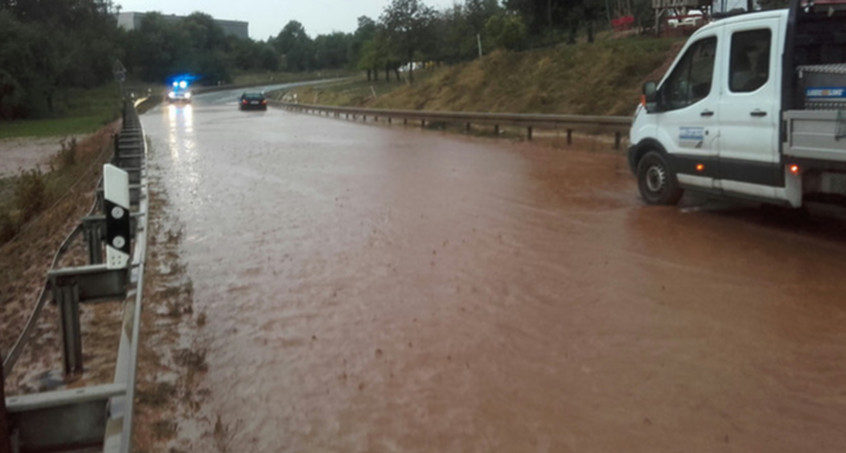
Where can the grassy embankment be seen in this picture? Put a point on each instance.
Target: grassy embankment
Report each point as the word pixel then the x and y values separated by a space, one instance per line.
pixel 78 112
pixel 603 78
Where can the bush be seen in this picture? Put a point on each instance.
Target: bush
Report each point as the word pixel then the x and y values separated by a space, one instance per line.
pixel 67 155
pixel 507 31
pixel 30 194
pixel 8 227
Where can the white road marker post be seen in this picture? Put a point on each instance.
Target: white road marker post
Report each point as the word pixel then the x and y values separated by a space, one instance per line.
pixel 116 205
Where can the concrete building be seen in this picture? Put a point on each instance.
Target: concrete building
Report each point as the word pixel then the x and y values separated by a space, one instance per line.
pixel 132 21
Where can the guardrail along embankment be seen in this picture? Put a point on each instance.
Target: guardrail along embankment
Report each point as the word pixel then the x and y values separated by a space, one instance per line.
pixel 616 125
pixel 114 234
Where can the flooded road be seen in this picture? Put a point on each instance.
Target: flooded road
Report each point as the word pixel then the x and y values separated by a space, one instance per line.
pixel 369 288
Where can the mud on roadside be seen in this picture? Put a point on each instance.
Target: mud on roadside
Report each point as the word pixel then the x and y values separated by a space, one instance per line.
pixel 24 262
pixel 171 362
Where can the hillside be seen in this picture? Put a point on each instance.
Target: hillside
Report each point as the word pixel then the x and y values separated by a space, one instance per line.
pixel 603 78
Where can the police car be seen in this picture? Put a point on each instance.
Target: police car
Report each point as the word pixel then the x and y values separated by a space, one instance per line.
pixel 180 91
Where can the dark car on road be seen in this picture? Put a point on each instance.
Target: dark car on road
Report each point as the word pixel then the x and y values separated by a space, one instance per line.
pixel 252 101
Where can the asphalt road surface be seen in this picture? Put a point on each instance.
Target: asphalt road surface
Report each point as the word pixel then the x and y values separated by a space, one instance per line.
pixel 372 288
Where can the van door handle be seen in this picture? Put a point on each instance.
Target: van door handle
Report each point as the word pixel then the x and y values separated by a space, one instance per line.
pixel 707 113
pixel 757 112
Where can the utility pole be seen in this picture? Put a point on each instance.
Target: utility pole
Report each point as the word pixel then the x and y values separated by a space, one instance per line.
pixel 479 43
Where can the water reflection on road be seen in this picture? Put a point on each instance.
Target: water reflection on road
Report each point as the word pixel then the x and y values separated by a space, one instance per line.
pixel 387 289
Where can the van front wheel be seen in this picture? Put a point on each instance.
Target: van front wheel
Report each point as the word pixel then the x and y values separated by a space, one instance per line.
pixel 657 184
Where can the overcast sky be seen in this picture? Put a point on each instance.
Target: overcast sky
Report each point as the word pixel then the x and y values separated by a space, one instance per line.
pixel 267 17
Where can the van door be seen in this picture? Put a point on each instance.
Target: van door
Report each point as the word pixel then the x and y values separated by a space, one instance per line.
pixel 689 100
pixel 749 109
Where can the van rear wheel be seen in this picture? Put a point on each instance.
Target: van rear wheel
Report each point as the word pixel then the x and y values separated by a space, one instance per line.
pixel 657 183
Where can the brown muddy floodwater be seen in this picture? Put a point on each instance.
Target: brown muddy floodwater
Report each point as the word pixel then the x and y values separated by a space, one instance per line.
pixel 372 288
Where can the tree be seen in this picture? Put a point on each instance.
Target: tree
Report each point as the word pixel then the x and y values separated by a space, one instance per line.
pixel 408 24
pixel 47 47
pixel 295 47
pixel 358 45
pixel 330 51
pixel 478 12
pixel 506 31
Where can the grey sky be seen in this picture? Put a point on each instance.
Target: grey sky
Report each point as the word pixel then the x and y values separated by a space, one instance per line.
pixel 267 17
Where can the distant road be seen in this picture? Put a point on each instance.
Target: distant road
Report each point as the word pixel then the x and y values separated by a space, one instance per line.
pixel 216 97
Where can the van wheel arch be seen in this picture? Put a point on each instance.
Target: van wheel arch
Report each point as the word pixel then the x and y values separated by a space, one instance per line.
pixel 645 146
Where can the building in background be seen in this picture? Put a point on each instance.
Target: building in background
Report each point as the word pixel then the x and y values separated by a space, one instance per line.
pixel 132 21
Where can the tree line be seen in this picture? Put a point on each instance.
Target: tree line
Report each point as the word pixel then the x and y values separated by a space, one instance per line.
pixel 50 46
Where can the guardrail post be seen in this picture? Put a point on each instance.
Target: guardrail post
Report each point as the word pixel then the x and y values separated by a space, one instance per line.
pixel 5 439
pixel 72 286
pixel 67 298
pixel 389 120
pixel 405 121
pixel 94 237
pixel 467 127
pixel 529 132
pixel 422 123
pixel 617 139
pixel 569 136
pixel 496 129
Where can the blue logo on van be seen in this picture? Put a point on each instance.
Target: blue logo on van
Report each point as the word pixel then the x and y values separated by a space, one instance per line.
pixel 826 92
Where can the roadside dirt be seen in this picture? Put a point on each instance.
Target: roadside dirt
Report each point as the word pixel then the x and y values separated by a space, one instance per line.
pixel 170 363
pixel 24 262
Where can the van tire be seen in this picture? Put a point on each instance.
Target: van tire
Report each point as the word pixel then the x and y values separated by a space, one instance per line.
pixel 657 183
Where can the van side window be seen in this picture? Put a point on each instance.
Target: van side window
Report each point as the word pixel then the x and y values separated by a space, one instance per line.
pixel 749 67
pixel 690 81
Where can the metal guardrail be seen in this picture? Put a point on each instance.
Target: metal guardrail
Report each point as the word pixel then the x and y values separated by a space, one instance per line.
pixel 97 415
pixel 618 125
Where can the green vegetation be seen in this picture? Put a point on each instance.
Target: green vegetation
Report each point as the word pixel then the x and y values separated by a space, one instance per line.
pixel 48 51
pixel 78 111
pixel 603 78
pixel 52 127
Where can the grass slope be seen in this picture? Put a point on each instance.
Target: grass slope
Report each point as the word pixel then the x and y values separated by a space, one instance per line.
pixel 603 78
pixel 77 112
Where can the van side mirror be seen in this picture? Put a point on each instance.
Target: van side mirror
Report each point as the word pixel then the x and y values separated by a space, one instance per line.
pixel 650 96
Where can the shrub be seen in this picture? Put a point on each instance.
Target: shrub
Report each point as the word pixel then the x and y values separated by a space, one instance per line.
pixel 8 227
pixel 30 193
pixel 67 155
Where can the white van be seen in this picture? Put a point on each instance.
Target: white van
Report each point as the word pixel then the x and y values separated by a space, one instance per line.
pixel 754 106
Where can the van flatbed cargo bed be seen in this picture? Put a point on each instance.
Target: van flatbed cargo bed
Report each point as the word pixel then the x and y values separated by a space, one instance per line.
pixel 816 134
